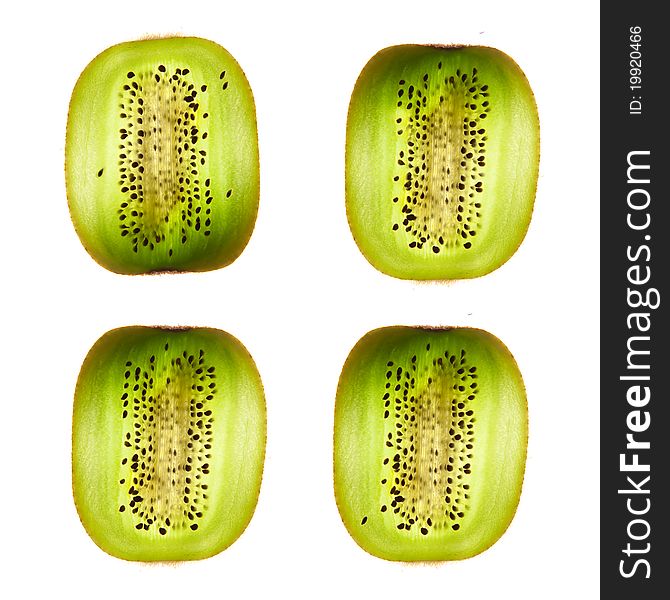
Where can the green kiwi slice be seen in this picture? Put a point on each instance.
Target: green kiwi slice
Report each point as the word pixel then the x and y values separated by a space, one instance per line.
pixel 442 158
pixel 162 170
pixel 168 442
pixel 431 429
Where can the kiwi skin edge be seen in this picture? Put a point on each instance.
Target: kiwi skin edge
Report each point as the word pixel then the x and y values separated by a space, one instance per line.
pixel 234 462
pixel 499 454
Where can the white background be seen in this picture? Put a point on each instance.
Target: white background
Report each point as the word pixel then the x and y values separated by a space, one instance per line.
pixel 299 298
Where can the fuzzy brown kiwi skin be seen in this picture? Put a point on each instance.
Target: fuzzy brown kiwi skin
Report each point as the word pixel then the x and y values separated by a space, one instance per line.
pixel 351 524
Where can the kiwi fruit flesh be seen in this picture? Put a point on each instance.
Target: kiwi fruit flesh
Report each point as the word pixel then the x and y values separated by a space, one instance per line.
pixel 431 429
pixel 442 158
pixel 162 168
pixel 168 442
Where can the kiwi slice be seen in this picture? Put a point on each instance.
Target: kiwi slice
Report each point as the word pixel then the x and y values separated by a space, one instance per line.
pixel 442 160
pixel 161 166
pixel 168 442
pixel 431 430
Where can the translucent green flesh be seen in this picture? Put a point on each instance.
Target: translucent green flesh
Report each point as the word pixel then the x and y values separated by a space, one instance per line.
pixel 430 442
pixel 442 159
pixel 162 157
pixel 168 442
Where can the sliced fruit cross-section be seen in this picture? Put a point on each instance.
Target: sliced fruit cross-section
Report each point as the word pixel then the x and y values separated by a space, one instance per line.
pixel 431 432
pixel 168 442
